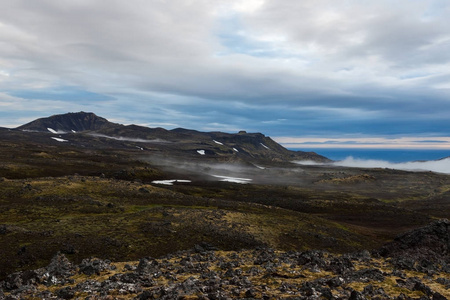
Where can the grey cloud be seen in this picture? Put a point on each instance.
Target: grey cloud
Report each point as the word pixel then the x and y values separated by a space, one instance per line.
pixel 153 54
pixel 354 28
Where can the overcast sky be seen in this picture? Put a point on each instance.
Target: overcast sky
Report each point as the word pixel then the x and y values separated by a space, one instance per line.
pixel 303 72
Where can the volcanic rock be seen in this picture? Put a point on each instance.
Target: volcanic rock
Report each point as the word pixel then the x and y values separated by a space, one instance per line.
pixel 431 242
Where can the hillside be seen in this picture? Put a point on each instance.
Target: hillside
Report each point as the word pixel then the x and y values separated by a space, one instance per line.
pixel 123 193
pixel 177 142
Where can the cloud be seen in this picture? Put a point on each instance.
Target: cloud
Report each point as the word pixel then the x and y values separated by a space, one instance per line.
pixel 439 166
pixel 325 66
pixel 367 142
pixel 124 138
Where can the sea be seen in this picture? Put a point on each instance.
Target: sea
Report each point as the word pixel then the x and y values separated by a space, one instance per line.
pixel 388 155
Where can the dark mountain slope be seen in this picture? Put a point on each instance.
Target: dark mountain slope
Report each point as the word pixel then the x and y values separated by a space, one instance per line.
pixel 80 121
pixel 430 242
pixel 182 142
pixel 136 132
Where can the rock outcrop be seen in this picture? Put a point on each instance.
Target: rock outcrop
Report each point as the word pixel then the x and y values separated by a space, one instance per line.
pixel 202 273
pixel 431 242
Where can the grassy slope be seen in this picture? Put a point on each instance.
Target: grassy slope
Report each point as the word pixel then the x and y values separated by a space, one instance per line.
pixel 120 217
pixel 115 219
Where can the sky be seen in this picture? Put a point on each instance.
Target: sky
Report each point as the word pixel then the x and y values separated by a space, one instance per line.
pixel 310 73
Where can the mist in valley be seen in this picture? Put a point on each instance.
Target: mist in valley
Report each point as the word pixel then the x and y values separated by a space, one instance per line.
pixel 438 166
pixel 236 172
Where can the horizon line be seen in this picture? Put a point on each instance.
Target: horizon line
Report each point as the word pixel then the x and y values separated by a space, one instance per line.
pixel 416 143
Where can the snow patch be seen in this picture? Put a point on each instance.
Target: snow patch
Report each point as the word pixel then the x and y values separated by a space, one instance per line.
pixel 259 167
pixel 233 179
pixel 265 146
pixel 56 131
pixel 59 140
pixel 74 131
pixel 236 150
pixel 170 181
pixel 218 142
pixel 201 152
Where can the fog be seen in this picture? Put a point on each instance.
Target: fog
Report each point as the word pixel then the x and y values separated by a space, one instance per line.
pixel 236 172
pixel 208 169
pixel 128 139
pixel 439 166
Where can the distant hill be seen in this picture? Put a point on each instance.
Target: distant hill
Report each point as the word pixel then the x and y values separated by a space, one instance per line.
pixel 180 141
pixel 80 121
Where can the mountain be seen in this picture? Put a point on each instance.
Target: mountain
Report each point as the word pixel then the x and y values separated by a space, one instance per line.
pixel 121 193
pixel 80 121
pixel 179 142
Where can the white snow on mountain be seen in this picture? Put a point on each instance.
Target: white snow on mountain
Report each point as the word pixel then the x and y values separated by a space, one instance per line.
pixel 265 146
pixel 170 181
pixel 59 140
pixel 233 179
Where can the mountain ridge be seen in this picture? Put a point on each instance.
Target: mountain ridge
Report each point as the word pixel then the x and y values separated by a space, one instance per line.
pixel 254 145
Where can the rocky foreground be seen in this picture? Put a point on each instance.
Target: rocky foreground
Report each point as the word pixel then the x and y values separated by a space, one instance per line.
pixel 415 265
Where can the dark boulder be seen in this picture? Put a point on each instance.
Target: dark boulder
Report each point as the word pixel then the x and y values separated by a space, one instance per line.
pixel 356 296
pixel 340 265
pixel 203 247
pixel 431 242
pixel 91 266
pixel 65 293
pixel 60 266
pixel 438 296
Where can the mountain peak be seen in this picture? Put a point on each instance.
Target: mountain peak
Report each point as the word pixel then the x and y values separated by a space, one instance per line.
pixel 252 146
pixel 78 121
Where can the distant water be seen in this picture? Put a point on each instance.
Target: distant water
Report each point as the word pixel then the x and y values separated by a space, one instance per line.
pixel 389 155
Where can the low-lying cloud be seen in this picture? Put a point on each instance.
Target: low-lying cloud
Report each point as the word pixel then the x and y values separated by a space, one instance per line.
pixel 438 166
pixel 237 172
pixel 128 139
pixel 368 142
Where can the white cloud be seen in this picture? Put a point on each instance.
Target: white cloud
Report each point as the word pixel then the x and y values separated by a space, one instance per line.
pixel 436 142
pixel 168 46
pixel 248 6
pixel 439 166
pixel 355 59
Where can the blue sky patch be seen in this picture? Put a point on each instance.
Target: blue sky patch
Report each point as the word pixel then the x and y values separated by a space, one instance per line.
pixel 61 94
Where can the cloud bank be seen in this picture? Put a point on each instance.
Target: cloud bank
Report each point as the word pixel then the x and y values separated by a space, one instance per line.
pixel 436 142
pixel 439 166
pixel 321 67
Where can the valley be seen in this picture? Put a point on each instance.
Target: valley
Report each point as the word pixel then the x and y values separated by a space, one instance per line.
pixel 125 192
